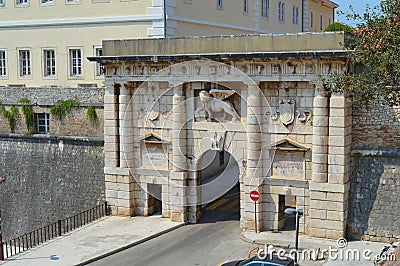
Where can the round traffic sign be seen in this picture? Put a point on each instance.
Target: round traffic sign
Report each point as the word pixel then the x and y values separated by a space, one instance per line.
pixel 254 195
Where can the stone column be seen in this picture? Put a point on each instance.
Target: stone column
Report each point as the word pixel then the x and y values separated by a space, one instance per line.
pixel 253 178
pixel 339 158
pixel 319 176
pixel 320 136
pixel 111 125
pixel 329 200
pixel 126 128
pixel 111 144
pixel 122 196
pixel 178 176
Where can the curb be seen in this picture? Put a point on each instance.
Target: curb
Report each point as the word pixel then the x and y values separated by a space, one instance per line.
pixel 130 245
pixel 286 244
pixel 262 242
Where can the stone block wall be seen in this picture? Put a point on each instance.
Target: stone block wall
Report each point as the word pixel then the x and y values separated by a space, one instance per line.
pixel 75 123
pixel 375 174
pixel 375 208
pixel 376 127
pixel 46 180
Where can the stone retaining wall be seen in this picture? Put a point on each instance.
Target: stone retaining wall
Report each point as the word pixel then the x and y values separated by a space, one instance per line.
pixel 375 179
pixel 47 179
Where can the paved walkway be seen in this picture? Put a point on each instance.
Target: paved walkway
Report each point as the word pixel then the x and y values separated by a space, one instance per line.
pixel 346 256
pixel 102 237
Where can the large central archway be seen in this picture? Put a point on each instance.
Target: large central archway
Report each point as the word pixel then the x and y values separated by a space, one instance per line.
pixel 219 174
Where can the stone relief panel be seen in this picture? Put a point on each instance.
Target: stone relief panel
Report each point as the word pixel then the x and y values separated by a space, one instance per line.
pixel 215 105
pixel 287 114
pixel 154 105
pixel 288 165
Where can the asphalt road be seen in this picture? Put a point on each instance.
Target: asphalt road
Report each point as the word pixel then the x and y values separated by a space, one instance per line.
pixel 212 241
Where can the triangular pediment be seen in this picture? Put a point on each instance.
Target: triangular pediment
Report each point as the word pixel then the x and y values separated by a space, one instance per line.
pixel 289 145
pixel 154 138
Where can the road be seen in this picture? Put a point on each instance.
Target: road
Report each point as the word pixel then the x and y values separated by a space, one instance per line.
pixel 215 239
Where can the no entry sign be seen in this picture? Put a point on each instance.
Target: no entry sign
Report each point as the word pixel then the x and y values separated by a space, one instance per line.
pixel 254 195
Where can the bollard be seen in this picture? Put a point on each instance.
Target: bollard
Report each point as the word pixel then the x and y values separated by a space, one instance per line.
pixel 1 248
pixel 59 228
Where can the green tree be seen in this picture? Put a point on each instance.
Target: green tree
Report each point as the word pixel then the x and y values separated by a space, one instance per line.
pixel 338 26
pixel 374 55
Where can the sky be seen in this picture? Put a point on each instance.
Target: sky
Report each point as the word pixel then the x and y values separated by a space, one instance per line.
pixel 358 5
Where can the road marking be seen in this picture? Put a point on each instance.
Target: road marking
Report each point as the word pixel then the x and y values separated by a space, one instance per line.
pixel 231 205
pixel 216 204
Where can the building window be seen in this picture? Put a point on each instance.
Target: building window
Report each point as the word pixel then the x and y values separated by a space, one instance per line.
pixel 311 19
pixel 99 66
pixel 281 12
pixel 22 2
pixel 3 63
pixel 73 2
pixel 219 4
pixel 75 62
pixel 1 3
pixel 24 63
pixel 46 1
pixel 49 62
pixel 264 8
pixel 295 15
pixel 43 123
pixel 246 7
pixel 320 22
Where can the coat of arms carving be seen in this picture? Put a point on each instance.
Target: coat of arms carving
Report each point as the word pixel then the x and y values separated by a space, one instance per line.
pixel 287 111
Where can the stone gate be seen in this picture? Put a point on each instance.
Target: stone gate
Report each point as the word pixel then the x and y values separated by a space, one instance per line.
pixel 259 98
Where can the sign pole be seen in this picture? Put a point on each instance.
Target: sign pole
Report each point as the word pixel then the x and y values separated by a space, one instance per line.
pixel 255 196
pixel 255 215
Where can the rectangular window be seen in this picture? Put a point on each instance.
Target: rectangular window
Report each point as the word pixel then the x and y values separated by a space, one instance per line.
pixel 219 4
pixel 47 1
pixel 43 123
pixel 22 2
pixel 245 6
pixel 75 62
pixel 311 19
pixel 264 8
pixel 1 2
pixel 3 63
pixel 49 63
pixel 99 67
pixel 295 15
pixel 281 12
pixel 24 63
pixel 320 22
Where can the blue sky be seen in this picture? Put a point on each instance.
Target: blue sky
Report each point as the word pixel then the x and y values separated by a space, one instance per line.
pixel 358 5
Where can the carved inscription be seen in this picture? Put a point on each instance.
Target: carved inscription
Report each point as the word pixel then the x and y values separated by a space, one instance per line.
pixel 288 164
pixel 153 156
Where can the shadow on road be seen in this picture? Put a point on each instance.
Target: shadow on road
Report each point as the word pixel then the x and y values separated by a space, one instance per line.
pixel 226 208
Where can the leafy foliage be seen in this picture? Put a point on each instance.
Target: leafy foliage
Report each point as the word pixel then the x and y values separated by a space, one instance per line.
pixel 63 108
pixel 27 111
pixel 91 115
pixel 338 26
pixel 375 54
pixel 10 115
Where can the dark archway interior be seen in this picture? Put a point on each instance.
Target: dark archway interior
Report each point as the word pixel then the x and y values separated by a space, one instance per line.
pixel 219 174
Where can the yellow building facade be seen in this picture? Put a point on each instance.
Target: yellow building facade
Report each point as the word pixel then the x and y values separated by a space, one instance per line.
pixel 46 42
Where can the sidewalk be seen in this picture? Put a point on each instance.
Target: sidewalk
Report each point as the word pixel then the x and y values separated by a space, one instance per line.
pixel 105 236
pixel 346 257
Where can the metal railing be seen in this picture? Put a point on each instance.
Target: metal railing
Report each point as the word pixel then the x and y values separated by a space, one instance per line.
pixel 19 244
